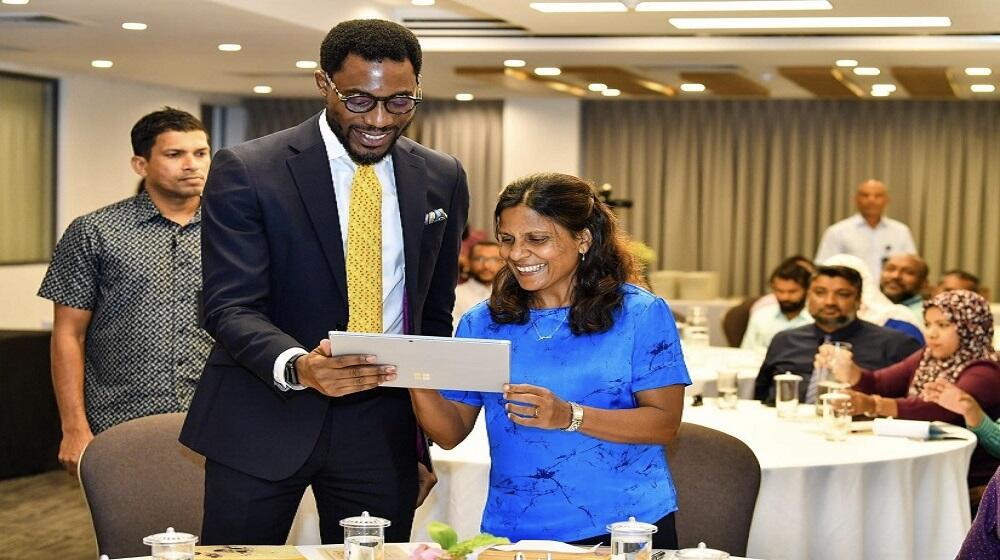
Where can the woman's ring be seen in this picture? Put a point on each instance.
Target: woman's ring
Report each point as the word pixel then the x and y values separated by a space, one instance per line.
pixel 535 413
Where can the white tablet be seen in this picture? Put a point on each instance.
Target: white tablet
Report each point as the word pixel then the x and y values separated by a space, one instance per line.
pixel 433 362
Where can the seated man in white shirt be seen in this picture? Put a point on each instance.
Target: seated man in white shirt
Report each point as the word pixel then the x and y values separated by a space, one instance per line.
pixel 868 235
pixel 484 262
pixel 789 285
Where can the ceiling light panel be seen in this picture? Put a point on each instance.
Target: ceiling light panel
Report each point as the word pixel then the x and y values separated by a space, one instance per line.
pixel 733 6
pixel 134 26
pixel 808 22
pixel 464 97
pixel 262 89
pixel 514 63
pixel 230 47
pixel 866 71
pixel 101 63
pixel 547 71
pixel 978 71
pixel 982 88
pixel 693 88
pixel 610 92
pixel 578 7
pixel 306 64
pixel 846 63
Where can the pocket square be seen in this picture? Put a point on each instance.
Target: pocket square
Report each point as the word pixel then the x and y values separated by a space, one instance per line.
pixel 435 216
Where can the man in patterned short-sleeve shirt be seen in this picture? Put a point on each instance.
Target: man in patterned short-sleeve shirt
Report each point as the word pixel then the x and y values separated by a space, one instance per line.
pixel 124 281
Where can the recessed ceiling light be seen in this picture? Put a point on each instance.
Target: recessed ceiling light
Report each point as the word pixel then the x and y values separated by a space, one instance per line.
pixel 978 71
pixel 570 7
pixel 262 89
pixel 807 22
pixel 983 88
pixel 514 63
pixel 422 2
pixel 880 93
pixel 307 64
pixel 101 63
pixel 867 71
pixel 597 87
pixel 230 47
pixel 847 63
pixel 15 2
pixel 884 87
pixel 134 26
pixel 692 87
pixel 464 97
pixel 548 71
pixel 611 92
pixel 733 6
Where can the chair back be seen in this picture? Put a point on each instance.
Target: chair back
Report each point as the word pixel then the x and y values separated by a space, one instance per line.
pixel 717 479
pixel 698 285
pixel 139 480
pixel 736 320
pixel 664 283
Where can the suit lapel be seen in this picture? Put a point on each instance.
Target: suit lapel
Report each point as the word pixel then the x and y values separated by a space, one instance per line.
pixel 310 169
pixel 410 171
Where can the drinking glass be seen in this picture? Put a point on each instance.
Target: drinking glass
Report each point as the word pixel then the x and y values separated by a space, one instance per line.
pixel 836 416
pixel 786 394
pixel 364 537
pixel 727 385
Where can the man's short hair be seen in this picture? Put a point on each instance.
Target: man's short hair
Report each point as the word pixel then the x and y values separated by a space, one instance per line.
pixel 145 131
pixel 372 40
pixel 792 271
pixel 965 276
pixel 483 243
pixel 852 276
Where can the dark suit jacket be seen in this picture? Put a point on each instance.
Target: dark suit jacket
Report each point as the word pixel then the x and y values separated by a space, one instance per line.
pixel 274 278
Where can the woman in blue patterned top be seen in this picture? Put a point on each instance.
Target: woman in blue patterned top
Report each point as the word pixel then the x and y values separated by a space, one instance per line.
pixel 597 375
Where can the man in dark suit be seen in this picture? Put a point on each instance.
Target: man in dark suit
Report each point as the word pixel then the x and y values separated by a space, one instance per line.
pixel 337 223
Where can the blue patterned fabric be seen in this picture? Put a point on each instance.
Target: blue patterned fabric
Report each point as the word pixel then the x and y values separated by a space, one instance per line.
pixel 550 484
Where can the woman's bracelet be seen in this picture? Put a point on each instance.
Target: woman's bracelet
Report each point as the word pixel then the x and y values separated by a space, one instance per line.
pixel 876 400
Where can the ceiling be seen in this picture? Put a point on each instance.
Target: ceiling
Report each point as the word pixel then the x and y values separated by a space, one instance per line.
pixel 466 41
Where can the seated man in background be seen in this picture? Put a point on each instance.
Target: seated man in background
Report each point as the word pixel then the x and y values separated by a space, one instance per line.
pixel 124 281
pixel 956 279
pixel 484 262
pixel 904 281
pixel 789 284
pixel 833 301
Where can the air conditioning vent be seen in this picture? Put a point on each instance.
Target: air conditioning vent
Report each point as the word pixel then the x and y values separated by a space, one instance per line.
pixel 463 27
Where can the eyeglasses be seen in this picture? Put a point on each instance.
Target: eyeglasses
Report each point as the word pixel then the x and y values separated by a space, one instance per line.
pixel 364 102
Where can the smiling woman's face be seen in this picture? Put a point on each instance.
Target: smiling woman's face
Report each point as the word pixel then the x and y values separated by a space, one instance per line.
pixel 542 254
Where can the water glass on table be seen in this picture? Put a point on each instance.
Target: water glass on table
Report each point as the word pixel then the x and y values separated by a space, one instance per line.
pixel 835 358
pixel 728 386
pixel 836 416
pixel 786 394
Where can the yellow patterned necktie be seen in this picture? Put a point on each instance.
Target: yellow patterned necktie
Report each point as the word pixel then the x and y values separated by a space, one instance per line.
pixel 364 253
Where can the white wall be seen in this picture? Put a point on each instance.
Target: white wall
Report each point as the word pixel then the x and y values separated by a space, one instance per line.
pixel 540 134
pixel 92 163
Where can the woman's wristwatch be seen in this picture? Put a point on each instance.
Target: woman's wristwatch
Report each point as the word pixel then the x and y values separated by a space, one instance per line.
pixel 576 419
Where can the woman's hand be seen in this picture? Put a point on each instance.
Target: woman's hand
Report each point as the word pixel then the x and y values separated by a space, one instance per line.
pixel 861 403
pixel 949 396
pixel 536 407
pixel 840 361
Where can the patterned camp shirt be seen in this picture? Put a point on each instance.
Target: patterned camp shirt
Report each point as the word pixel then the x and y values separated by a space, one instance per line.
pixel 140 275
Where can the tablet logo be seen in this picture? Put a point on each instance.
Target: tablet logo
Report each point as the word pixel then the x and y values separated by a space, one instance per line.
pixel 420 376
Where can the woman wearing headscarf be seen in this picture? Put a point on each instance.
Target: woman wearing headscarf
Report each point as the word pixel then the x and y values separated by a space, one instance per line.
pixel 597 375
pixel 875 306
pixel 959 330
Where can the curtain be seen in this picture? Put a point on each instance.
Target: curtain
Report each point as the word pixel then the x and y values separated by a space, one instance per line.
pixel 472 131
pixel 734 186
pixel 265 116
pixel 27 178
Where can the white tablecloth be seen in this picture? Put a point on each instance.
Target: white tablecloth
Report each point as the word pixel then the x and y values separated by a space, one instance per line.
pixel 869 497
pixel 704 362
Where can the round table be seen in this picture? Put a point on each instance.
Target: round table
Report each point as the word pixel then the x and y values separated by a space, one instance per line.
pixel 867 497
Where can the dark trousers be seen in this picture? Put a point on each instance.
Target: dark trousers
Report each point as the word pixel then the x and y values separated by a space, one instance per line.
pixel 351 470
pixel 665 536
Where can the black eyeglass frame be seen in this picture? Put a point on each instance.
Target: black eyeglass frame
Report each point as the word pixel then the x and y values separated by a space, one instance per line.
pixel 417 99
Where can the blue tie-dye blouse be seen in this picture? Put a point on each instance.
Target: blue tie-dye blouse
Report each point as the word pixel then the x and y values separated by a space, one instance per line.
pixel 550 484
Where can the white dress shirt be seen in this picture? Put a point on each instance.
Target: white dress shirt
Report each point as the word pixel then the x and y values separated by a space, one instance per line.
pixel 853 236
pixel 767 322
pixel 342 169
pixel 467 295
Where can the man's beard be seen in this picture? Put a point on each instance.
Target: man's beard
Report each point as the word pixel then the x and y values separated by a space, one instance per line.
pixel 788 307
pixel 481 279
pixel 900 296
pixel 370 158
pixel 833 323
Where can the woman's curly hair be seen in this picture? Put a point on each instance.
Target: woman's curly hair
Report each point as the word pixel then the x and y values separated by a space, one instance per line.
pixel 572 203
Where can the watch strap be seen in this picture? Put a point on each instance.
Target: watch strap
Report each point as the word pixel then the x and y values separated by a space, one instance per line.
pixel 576 419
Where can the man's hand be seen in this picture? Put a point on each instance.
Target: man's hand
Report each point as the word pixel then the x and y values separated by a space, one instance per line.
pixel 336 376
pixel 425 482
pixel 71 447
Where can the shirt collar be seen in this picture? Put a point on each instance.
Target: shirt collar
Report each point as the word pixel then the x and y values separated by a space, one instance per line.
pixel 913 300
pixel 843 334
pixel 145 210
pixel 859 221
